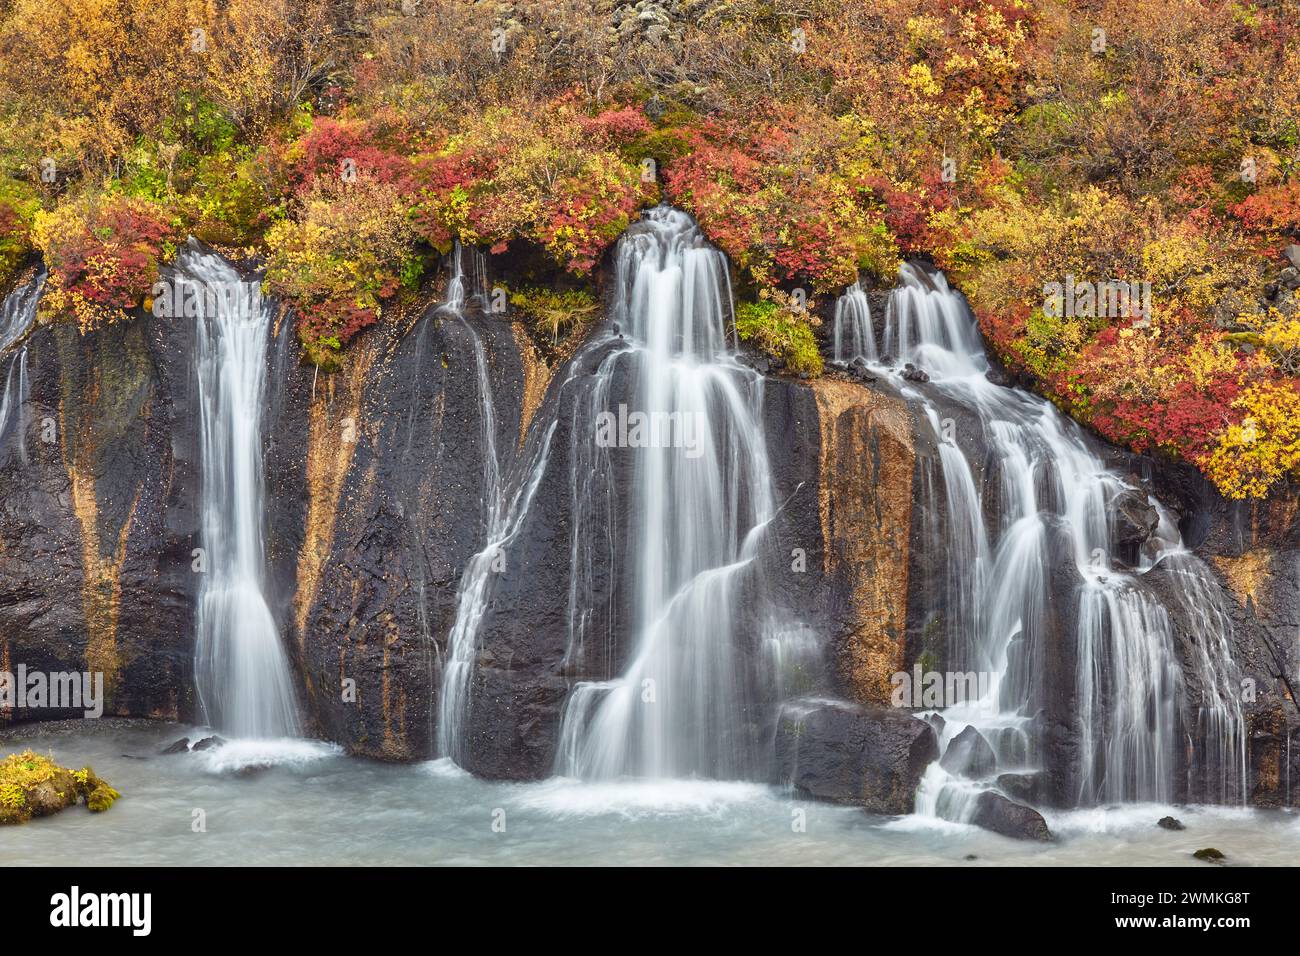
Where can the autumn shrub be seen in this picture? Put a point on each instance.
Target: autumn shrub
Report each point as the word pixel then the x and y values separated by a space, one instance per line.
pixel 18 207
pixel 351 248
pixel 103 254
pixel 1263 448
pixel 543 178
pixel 1274 209
pixel 772 194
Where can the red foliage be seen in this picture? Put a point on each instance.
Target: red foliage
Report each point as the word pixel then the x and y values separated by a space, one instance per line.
pixel 113 262
pixel 617 127
pixel 333 318
pixel 1275 209
pixel 331 144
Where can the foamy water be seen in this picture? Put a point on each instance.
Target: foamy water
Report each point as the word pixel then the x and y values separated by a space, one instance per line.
pixel 302 802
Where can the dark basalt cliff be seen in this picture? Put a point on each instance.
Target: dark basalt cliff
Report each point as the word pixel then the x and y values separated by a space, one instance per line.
pixel 376 504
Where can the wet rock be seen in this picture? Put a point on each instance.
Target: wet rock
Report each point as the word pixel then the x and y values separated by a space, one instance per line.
pixel 913 374
pixel 1170 823
pixel 969 755
pixel 1133 518
pixel 872 757
pixel 176 747
pixel 210 743
pixel 936 721
pixel 867 464
pixel 996 813
pixel 1209 855
pixel 1023 787
pixel 998 377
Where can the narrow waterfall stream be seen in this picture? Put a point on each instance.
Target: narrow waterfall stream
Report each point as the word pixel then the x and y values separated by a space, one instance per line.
pixel 504 508
pixel 241 669
pixel 698 501
pixel 853 335
pixel 1041 479
pixel 17 314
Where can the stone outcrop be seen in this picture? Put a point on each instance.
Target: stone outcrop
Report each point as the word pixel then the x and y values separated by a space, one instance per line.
pixel 872 757
pixel 96 518
pixel 996 813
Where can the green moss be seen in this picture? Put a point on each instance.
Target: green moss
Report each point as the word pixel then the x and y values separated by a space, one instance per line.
pixel 781 333
pixel 551 311
pixel 32 785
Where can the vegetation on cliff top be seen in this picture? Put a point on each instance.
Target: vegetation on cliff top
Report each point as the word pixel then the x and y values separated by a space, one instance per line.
pixel 1017 143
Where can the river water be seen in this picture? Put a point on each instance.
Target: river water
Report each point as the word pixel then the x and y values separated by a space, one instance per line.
pixel 313 805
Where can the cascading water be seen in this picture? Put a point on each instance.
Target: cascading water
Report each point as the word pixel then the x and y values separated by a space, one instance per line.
pixel 504 511
pixel 1040 478
pixel 853 335
pixel 241 669
pixel 698 500
pixel 17 314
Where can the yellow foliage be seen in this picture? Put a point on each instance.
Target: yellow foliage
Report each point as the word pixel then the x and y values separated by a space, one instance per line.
pixel 1264 448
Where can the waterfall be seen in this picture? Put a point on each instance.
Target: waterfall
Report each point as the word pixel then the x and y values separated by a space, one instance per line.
pixel 1038 479
pixel 696 493
pixel 505 510
pixel 241 669
pixel 854 336
pixel 17 314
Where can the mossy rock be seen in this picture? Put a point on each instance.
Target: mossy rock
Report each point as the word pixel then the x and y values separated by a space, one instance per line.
pixel 35 786
pixel 1209 855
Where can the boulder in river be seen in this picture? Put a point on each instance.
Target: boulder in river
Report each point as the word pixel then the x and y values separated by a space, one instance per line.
pixel 176 747
pixel 995 812
pixel 210 743
pixel 1209 855
pixel 872 757
pixel 1170 823
pixel 1024 787
pixel 969 755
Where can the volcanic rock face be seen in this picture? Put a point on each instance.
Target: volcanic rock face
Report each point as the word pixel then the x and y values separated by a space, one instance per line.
pixel 376 487
pixel 393 464
pixel 95 526
pixel 865 503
